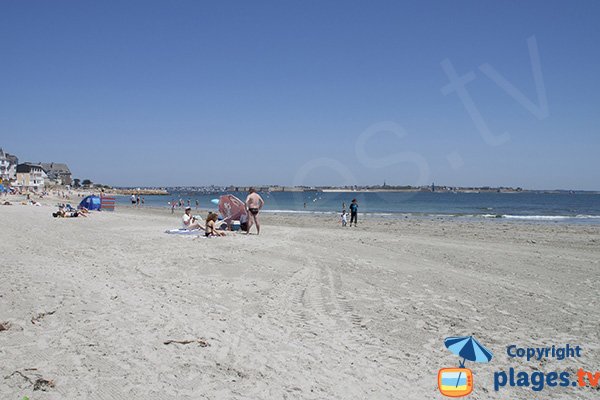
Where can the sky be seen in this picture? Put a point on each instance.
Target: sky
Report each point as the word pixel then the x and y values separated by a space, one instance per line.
pixel 169 93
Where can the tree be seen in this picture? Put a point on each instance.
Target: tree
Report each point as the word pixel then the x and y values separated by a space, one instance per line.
pixel 86 182
pixel 76 183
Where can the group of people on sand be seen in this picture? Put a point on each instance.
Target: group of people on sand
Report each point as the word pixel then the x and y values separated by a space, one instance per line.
pixel 353 213
pixel 67 211
pixel 213 227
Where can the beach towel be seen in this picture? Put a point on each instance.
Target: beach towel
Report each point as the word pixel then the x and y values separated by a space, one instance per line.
pixel 182 231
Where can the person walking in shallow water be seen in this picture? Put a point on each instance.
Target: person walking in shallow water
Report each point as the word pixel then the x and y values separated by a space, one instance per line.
pixel 353 212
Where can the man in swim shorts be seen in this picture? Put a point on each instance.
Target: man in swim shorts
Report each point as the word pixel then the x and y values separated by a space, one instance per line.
pixel 254 203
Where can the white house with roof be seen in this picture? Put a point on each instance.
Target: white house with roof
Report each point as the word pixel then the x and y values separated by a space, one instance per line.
pixel 8 166
pixel 30 176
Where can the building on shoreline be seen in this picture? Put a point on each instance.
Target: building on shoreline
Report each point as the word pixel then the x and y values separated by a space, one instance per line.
pixel 58 173
pixel 8 166
pixel 30 176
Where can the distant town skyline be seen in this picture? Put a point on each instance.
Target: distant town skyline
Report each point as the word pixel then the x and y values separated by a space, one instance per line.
pixel 59 173
pixel 150 93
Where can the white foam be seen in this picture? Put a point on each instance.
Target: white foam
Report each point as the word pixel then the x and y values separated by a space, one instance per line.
pixel 298 212
pixel 550 217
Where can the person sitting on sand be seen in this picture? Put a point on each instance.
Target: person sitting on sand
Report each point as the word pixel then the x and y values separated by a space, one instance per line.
pixel 244 222
pixel 211 228
pixel 189 221
pixel 66 207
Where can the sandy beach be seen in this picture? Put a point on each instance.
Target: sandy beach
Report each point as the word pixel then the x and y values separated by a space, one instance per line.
pixel 306 310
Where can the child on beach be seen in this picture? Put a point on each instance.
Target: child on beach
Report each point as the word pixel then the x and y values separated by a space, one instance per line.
pixel 344 217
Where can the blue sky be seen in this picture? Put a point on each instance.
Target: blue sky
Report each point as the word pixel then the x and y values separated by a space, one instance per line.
pixel 193 93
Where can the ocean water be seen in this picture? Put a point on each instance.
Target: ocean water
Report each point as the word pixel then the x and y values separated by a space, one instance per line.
pixel 524 206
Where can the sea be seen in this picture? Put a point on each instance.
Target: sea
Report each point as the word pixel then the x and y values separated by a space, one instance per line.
pixel 578 207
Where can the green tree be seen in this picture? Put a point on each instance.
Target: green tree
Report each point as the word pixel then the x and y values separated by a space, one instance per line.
pixel 76 183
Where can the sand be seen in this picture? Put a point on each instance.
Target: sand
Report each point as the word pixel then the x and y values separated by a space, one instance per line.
pixel 306 310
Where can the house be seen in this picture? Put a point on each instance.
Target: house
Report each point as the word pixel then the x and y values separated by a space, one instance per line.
pixel 30 176
pixel 8 166
pixel 58 173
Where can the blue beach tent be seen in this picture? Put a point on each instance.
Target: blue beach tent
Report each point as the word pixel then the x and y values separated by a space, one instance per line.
pixel 90 202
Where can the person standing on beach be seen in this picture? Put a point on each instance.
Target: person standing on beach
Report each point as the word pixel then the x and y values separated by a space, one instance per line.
pixel 133 199
pixel 353 212
pixel 197 204
pixel 138 200
pixel 254 203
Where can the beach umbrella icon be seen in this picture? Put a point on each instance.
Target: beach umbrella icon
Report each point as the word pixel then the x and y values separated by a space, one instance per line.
pixel 468 348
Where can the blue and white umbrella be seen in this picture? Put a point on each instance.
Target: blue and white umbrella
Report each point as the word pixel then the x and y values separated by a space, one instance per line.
pixel 468 348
